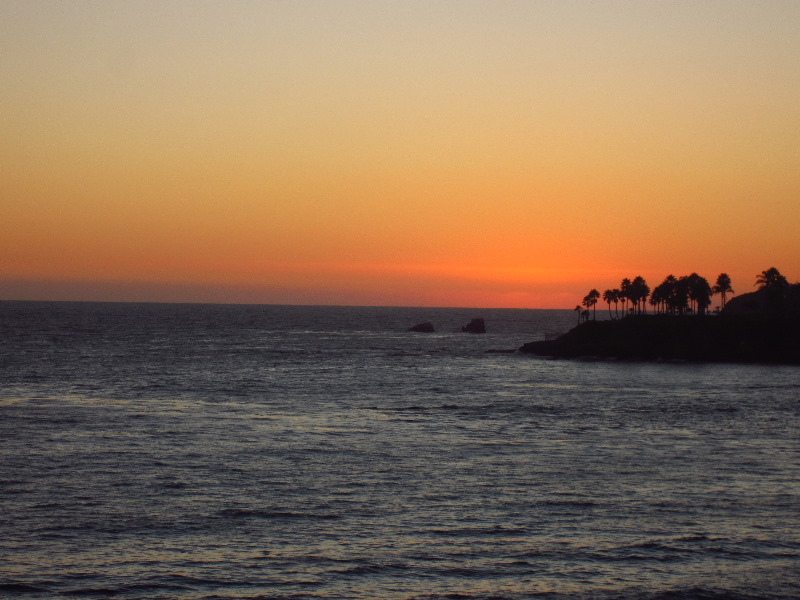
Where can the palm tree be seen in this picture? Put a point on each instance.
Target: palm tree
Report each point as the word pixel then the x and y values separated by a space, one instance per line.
pixel 640 290
pixel 679 296
pixel 699 292
pixel 610 296
pixel 669 289
pixel 776 287
pixel 625 293
pixel 578 310
pixel 656 299
pixel 590 301
pixel 771 279
pixel 660 296
pixel 723 287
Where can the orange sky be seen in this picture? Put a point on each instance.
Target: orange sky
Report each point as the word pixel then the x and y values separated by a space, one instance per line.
pixel 505 154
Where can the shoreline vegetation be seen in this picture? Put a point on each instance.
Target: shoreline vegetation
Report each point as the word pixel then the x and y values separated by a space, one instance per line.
pixel 761 326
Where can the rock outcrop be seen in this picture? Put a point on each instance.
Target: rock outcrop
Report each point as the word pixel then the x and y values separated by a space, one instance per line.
pixel 475 326
pixel 423 328
pixel 759 339
pixel 783 301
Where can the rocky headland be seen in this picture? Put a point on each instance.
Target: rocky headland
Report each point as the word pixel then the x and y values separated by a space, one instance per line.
pixel 753 328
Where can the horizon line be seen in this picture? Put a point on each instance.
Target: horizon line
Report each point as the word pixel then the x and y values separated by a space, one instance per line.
pixel 282 304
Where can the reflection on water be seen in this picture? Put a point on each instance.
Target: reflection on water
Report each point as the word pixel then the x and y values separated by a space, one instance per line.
pixel 244 454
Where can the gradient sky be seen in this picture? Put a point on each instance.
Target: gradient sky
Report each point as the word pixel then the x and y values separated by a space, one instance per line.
pixel 452 153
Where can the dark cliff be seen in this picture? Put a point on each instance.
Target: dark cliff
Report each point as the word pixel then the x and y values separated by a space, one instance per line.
pixel 780 302
pixel 758 338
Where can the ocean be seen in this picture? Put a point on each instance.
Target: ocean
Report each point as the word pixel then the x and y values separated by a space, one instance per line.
pixel 185 451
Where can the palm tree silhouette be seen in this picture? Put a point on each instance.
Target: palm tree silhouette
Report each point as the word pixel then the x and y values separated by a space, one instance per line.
pixel 689 294
pixel 776 287
pixel 771 279
pixel 663 293
pixel 610 296
pixel 657 299
pixel 625 293
pixel 699 292
pixel 679 296
pixel 639 291
pixel 590 301
pixel 668 287
pixel 723 287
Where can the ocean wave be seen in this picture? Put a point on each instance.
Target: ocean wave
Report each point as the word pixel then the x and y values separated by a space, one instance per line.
pixel 254 513
pixel 493 530
pixel 212 452
pixel 23 588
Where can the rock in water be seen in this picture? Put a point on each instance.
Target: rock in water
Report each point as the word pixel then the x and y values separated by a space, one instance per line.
pixel 423 328
pixel 475 326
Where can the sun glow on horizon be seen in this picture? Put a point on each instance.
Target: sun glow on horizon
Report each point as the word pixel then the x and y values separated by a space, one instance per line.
pixel 469 154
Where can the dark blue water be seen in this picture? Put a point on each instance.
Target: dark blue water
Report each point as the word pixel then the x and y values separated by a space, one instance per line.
pixel 186 451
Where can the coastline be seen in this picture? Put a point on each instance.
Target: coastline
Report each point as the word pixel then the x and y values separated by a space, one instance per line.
pixel 723 338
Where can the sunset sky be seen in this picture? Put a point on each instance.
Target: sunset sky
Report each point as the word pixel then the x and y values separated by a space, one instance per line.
pixel 450 153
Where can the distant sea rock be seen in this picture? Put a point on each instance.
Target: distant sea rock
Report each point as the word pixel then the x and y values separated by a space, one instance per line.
pixel 746 338
pixel 423 328
pixel 475 326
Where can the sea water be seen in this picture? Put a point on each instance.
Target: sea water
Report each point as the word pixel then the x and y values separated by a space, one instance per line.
pixel 208 451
